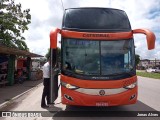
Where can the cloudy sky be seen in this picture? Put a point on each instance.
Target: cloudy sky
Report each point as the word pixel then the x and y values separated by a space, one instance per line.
pixel 47 14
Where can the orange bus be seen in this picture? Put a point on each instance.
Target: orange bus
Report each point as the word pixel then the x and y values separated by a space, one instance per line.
pixel 97 58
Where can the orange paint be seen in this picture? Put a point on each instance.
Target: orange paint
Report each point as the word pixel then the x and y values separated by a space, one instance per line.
pixel 98 83
pixel 91 100
pixel 149 35
pixel 97 36
pixel 53 38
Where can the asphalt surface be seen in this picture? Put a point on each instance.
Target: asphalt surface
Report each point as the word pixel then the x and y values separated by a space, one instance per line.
pixel 148 100
pixel 149 92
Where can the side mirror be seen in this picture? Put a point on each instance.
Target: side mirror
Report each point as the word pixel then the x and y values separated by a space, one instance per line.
pixel 53 38
pixel 53 69
pixel 150 36
pixel 53 46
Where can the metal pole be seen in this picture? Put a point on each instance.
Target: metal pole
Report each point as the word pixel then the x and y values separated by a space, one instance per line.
pixel 51 77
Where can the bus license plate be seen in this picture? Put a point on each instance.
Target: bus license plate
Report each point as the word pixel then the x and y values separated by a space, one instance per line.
pixel 101 103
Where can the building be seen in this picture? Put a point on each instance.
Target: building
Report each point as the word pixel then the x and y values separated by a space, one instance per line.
pixel 7 63
pixel 146 63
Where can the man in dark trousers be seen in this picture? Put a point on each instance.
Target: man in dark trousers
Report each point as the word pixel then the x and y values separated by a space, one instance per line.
pixel 46 82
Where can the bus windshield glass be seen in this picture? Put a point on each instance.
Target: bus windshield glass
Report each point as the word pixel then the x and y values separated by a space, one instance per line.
pixel 96 57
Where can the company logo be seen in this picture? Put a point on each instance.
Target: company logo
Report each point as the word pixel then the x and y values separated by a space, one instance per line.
pixel 21 114
pixel 96 35
pixel 6 114
pixel 101 92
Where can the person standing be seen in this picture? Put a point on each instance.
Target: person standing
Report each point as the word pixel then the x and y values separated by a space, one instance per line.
pixel 46 82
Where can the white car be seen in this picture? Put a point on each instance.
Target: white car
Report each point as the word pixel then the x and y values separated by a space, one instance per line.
pixel 157 70
pixel 150 70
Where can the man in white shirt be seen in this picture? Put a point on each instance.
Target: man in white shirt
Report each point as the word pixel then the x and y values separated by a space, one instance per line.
pixel 46 82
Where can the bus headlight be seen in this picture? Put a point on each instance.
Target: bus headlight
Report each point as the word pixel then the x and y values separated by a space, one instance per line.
pixel 69 86
pixel 131 86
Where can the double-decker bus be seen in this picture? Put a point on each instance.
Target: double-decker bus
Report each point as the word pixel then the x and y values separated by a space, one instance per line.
pixel 97 58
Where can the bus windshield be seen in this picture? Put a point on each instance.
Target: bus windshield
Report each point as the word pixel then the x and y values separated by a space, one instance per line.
pixel 96 57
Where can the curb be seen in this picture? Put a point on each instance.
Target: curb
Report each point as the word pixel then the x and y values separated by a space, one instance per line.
pixel 8 102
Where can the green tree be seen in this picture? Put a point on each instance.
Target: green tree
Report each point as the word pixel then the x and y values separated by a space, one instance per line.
pixel 13 22
pixel 137 59
pixel 48 54
pixel 58 54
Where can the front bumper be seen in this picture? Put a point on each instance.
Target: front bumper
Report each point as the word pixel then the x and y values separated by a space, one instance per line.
pixel 81 99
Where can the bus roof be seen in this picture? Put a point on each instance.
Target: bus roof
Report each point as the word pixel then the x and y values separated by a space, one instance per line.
pixel 95 19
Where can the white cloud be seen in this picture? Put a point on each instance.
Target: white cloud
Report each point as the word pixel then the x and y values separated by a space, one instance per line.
pixel 48 13
pixel 39 9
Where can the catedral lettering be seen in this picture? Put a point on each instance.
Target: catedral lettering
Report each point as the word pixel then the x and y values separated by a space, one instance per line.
pixel 102 70
pixel 96 35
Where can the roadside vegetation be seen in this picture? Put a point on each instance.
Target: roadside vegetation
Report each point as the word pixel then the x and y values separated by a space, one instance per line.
pixel 14 22
pixel 149 75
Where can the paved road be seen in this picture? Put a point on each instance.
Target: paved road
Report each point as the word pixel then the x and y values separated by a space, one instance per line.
pixel 148 100
pixel 149 92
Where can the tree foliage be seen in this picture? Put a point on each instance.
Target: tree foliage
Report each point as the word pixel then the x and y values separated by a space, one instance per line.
pixel 48 54
pixel 13 22
pixel 137 59
pixel 58 54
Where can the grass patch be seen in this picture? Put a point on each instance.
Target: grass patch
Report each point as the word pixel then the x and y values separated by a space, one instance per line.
pixel 149 75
